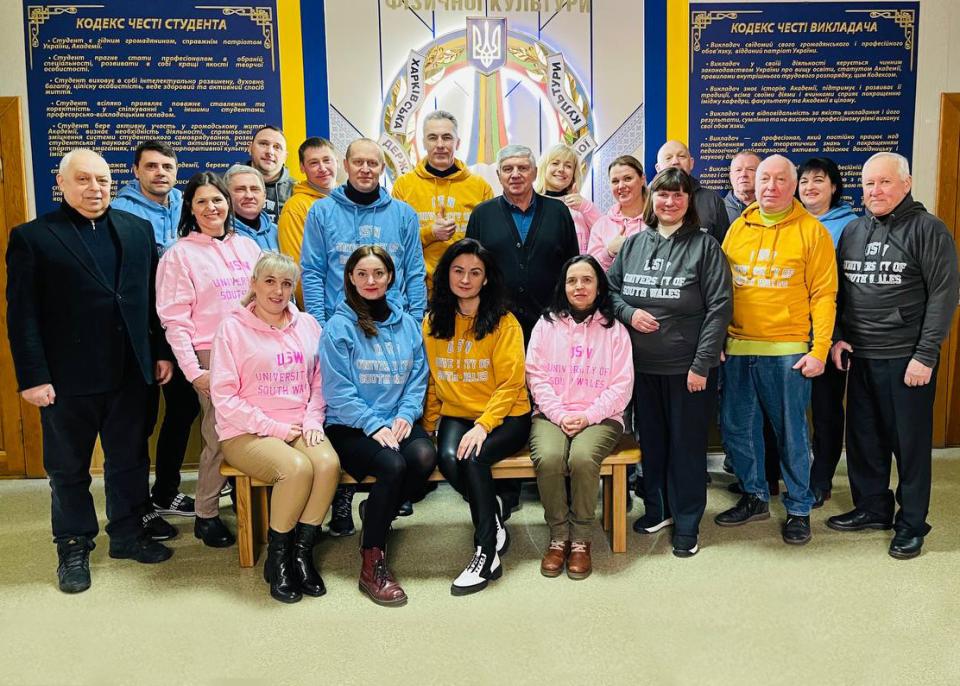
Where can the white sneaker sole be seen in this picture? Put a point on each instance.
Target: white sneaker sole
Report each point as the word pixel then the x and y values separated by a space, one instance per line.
pixel 656 527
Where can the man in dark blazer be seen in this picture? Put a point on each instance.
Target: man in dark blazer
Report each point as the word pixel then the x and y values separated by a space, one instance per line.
pixel 87 346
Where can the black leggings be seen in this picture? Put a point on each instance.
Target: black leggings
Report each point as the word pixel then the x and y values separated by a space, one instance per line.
pixel 401 475
pixel 472 477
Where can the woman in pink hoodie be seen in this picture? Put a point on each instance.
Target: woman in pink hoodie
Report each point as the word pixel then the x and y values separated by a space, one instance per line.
pixel 580 374
pixel 200 279
pixel 629 188
pixel 559 175
pixel 266 387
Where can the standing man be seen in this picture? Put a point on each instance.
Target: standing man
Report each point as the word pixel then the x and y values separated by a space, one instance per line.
pixel 743 176
pixel 784 288
pixel 441 189
pixel 318 162
pixel 897 299
pixel 249 195
pixel 531 235
pixel 153 196
pixel 360 212
pixel 709 204
pixel 87 347
pixel 268 154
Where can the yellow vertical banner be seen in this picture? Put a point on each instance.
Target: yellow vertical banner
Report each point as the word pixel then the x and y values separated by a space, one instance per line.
pixel 291 79
pixel 678 70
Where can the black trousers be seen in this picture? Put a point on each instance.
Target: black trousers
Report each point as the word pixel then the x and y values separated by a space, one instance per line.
pixel 181 408
pixel 401 474
pixel 826 404
pixel 70 429
pixel 672 426
pixel 886 416
pixel 472 477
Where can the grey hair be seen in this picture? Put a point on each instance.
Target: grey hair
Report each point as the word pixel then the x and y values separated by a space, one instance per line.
pixel 275 263
pixel 346 155
pixel 440 115
pixel 238 169
pixel 903 166
pixel 67 159
pixel 515 151
pixel 790 165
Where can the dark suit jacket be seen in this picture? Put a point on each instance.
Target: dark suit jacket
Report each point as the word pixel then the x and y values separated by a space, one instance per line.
pixel 65 322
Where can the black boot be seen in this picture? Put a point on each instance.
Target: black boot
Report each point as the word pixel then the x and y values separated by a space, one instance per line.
pixel 279 569
pixel 307 575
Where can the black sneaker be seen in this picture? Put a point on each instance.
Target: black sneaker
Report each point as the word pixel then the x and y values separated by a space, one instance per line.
pixel 341 519
pixel 180 505
pixel 227 488
pixel 685 546
pixel 651 525
pixel 820 496
pixel 140 548
pixel 406 509
pixel 796 530
pixel 157 528
pixel 73 570
pixel 748 509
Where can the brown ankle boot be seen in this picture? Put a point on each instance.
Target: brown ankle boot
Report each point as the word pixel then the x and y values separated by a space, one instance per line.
pixel 579 564
pixel 556 556
pixel 377 581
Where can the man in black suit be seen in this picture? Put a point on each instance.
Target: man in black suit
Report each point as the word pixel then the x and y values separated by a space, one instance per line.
pixel 87 346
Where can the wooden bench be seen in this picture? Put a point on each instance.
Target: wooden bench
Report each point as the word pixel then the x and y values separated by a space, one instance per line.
pixel 253 497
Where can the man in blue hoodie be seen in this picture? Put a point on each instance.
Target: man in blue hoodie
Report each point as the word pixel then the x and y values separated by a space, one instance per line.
pixel 153 196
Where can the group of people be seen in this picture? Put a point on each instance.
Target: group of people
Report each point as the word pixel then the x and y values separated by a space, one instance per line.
pixel 319 327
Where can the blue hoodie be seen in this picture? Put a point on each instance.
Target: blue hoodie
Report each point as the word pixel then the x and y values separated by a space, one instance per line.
pixel 163 218
pixel 836 218
pixel 336 226
pixel 265 236
pixel 369 382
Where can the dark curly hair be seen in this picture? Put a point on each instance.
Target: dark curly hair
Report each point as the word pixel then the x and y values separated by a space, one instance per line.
pixel 443 302
pixel 560 306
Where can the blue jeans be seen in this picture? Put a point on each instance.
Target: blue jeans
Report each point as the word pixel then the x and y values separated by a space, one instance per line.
pixel 755 385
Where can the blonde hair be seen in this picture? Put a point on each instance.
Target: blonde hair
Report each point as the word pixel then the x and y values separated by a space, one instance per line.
pixel 274 263
pixel 562 152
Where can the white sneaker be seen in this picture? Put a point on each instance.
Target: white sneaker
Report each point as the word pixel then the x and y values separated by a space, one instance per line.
pixel 477 574
pixel 503 536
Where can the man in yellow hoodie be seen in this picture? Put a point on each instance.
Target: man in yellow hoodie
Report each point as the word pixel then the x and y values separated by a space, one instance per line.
pixel 784 289
pixel 441 189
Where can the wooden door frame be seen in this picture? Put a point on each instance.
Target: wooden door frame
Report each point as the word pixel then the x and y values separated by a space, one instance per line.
pixel 28 454
pixel 946 409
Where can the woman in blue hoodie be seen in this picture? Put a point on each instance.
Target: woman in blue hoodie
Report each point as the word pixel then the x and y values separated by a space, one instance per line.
pixel 375 381
pixel 820 189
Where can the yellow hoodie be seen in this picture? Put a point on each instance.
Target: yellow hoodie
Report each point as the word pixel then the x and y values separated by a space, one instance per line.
pixel 455 195
pixel 294 216
pixel 481 380
pixel 784 280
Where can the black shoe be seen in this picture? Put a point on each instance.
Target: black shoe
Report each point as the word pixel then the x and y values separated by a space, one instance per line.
pixel 227 488
pixel 180 505
pixel 406 509
pixel 857 520
pixel 904 546
pixel 213 532
pixel 310 580
pixel 735 488
pixel 685 546
pixel 727 464
pixel 341 519
pixel 820 496
pixel 509 502
pixel 651 525
pixel 73 570
pixel 748 509
pixel 140 548
pixel 279 570
pixel 796 530
pixel 157 528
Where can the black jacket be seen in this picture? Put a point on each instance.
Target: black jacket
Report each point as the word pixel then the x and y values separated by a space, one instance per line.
pixel 898 290
pixel 531 269
pixel 68 326
pixel 711 211
pixel 684 282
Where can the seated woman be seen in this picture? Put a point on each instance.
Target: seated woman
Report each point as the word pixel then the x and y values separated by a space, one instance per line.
pixel 580 372
pixel 200 280
pixel 374 380
pixel 475 351
pixel 559 175
pixel 265 385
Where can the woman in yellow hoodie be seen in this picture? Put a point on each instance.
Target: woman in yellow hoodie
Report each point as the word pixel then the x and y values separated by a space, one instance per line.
pixel 476 395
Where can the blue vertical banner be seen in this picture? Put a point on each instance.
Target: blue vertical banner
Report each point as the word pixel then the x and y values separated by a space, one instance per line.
pixel 200 77
pixel 833 79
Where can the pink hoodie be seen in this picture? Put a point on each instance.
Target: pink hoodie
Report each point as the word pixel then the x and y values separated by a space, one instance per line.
pixel 584 219
pixel 262 379
pixel 583 367
pixel 607 228
pixel 199 280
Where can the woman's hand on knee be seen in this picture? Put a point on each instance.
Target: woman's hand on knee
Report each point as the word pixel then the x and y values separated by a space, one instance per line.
pixel 401 429
pixel 384 436
pixel 294 433
pixel 472 442
pixel 313 437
